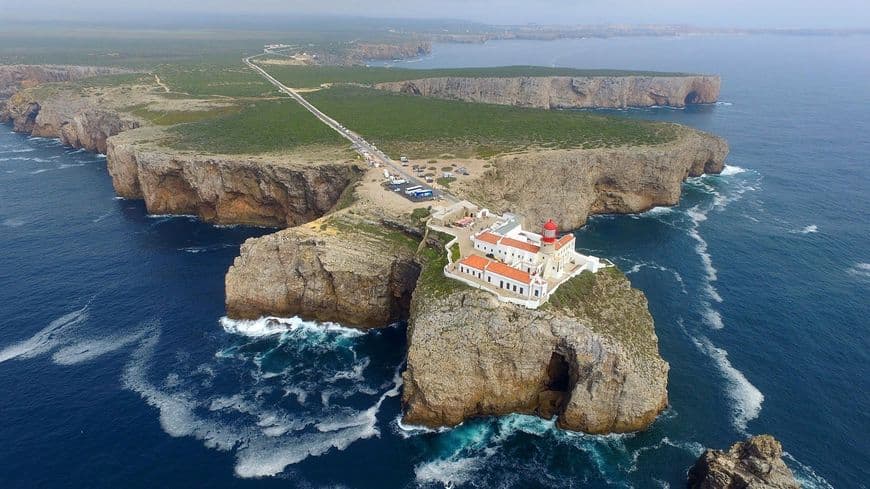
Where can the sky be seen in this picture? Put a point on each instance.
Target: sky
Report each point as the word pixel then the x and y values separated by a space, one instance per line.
pixel 708 13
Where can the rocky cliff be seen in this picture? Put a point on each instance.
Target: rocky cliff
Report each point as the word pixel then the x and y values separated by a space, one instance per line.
pixel 343 268
pixel 569 185
pixel 223 189
pixel 359 53
pixel 589 357
pixel 76 121
pixel 16 77
pixel 753 464
pixel 555 92
pixel 263 191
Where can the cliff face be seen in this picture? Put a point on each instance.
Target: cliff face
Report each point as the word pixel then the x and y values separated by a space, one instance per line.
pixel 16 77
pixel 226 190
pixel 349 271
pixel 569 185
pixel 755 463
pixel 594 365
pixel 76 122
pixel 568 92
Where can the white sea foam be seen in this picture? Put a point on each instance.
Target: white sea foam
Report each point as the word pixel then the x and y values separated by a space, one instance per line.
pixel 805 475
pixel 99 219
pixel 812 228
pixel 47 338
pixel 657 211
pixel 732 170
pixel 746 398
pixel 677 277
pixel 860 270
pixel 13 222
pixel 87 350
pixel 270 326
pixel 712 317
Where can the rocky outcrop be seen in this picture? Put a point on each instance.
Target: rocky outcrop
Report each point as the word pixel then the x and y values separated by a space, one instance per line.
pixel 75 121
pixel 589 357
pixel 569 185
pixel 575 92
pixel 341 269
pixel 226 190
pixel 753 464
pixel 16 77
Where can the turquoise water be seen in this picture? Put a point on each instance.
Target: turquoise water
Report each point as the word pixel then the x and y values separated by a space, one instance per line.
pixel 116 368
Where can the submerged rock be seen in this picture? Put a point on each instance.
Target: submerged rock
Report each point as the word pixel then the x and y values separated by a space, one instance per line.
pixel 752 464
pixel 589 357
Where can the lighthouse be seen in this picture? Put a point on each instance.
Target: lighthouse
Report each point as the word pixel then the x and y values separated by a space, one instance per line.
pixel 548 234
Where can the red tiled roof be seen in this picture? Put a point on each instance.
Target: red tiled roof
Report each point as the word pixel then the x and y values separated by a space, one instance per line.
pixel 509 272
pixel 489 237
pixel 520 245
pixel 564 240
pixel 475 261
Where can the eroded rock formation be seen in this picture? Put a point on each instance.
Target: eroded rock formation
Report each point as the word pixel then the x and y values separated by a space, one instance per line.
pixel 75 121
pixel 753 464
pixel 594 363
pixel 555 92
pixel 570 185
pixel 341 269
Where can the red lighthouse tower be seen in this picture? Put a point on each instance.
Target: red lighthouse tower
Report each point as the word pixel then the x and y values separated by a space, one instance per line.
pixel 549 233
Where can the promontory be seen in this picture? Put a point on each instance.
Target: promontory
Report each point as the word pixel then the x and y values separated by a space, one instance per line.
pixel 354 245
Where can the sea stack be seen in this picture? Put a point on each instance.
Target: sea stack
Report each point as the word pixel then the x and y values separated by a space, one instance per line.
pixel 753 464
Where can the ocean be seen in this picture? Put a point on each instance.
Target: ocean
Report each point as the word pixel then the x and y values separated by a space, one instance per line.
pixel 117 368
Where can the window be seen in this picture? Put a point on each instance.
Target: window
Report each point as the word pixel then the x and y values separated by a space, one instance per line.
pixel 521 291
pixel 537 293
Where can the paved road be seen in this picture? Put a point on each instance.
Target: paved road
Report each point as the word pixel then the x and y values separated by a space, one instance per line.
pixel 359 144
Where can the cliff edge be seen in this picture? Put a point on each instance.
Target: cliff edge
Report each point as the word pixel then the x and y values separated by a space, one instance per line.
pixel 568 92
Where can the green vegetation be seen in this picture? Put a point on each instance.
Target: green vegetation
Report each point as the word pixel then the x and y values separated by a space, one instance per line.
pixel 350 224
pixel 203 80
pixel 169 118
pixel 445 181
pixel 419 214
pixel 432 282
pixel 260 127
pixel 455 253
pixel 314 76
pixel 609 307
pixel 425 127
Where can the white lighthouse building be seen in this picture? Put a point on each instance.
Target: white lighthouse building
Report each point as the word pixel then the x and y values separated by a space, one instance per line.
pixel 515 263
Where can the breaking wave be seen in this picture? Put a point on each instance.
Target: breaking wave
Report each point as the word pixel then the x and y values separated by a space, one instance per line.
pixel 746 398
pixel 265 438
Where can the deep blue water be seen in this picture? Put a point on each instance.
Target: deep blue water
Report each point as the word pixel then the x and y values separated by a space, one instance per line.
pixel 115 369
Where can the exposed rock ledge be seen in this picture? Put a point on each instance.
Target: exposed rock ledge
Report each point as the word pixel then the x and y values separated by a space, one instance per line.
pixel 754 464
pixel 570 185
pixel 556 92
pixel 594 364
